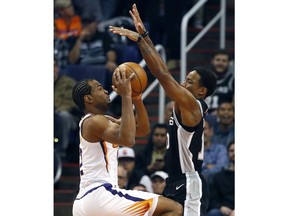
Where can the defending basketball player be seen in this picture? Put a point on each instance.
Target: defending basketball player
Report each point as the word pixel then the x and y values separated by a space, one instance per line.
pixel 99 194
pixel 185 146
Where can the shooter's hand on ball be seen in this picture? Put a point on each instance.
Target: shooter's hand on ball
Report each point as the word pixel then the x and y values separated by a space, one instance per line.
pixel 122 84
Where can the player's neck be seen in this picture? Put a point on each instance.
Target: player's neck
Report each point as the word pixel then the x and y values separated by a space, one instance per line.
pixel 95 111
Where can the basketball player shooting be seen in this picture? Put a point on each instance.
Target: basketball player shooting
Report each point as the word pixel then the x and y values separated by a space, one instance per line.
pixel 185 146
pixel 100 138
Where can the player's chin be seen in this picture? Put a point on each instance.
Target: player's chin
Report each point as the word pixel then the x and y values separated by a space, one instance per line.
pixel 109 102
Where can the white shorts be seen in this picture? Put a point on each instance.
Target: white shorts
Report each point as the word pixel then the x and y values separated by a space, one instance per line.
pixel 106 200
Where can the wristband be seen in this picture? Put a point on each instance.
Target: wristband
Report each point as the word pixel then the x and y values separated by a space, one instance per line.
pixel 145 34
pixel 139 38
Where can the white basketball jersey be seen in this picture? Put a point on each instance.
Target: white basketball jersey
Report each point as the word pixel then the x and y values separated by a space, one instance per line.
pixel 97 161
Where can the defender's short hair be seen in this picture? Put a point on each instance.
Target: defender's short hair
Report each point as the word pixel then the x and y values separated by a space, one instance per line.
pixel 207 79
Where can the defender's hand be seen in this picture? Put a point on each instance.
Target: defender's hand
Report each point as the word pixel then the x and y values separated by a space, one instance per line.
pixel 124 32
pixel 139 26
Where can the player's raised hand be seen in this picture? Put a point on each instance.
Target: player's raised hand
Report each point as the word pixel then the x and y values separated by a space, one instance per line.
pixel 137 20
pixel 134 36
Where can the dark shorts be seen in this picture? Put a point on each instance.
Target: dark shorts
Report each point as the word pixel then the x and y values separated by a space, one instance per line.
pixel 191 191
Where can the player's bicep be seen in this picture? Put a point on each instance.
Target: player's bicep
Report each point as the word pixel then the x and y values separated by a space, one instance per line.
pixel 107 130
pixel 111 133
pixel 179 94
pixel 99 128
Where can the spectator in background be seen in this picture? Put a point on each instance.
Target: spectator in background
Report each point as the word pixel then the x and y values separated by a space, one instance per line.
pixel 93 47
pixel 102 10
pixel 152 159
pixel 65 118
pixel 139 187
pixel 215 154
pixel 222 188
pixel 212 119
pixel 220 65
pixel 126 158
pixel 61 50
pixel 158 181
pixel 122 177
pixel 68 23
pixel 224 130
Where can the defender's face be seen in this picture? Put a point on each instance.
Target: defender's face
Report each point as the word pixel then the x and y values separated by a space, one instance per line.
pixel 192 83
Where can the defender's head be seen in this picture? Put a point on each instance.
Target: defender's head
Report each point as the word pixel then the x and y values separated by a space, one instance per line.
pixel 201 82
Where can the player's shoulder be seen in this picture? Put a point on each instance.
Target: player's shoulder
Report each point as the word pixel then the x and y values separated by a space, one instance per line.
pixel 94 121
pixel 95 125
pixel 204 105
pixel 97 118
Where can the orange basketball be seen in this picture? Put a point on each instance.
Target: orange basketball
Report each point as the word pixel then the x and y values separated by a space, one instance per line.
pixel 139 81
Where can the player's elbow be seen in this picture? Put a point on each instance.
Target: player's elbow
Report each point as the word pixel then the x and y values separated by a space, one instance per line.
pixel 128 141
pixel 131 141
pixel 143 132
pixel 147 131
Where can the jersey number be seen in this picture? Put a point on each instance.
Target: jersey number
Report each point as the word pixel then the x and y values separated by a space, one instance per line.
pixel 212 101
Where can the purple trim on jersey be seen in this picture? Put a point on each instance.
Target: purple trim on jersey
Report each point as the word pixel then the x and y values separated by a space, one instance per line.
pixel 108 187
pixel 89 191
pixel 127 196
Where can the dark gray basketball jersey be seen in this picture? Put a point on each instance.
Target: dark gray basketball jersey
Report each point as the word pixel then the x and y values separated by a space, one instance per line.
pixel 185 145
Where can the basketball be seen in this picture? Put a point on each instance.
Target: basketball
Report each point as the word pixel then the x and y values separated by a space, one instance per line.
pixel 139 81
